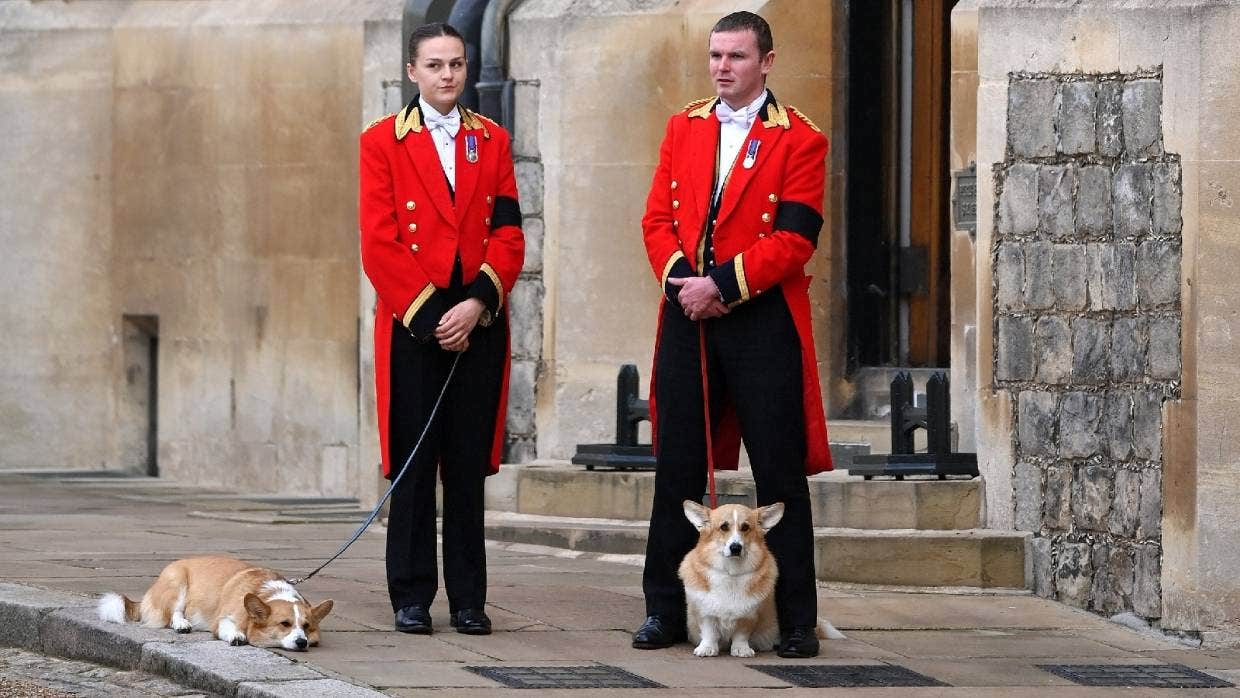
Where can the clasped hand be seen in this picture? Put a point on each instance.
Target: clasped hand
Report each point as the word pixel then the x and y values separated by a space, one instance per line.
pixel 699 296
pixel 456 324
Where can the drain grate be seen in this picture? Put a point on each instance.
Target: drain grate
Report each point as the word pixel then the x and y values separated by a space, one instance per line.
pixel 846 676
pixel 1136 675
pixel 593 676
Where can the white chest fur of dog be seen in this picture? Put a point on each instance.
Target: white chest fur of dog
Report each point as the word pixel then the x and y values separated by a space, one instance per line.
pixel 730 578
pixel 238 602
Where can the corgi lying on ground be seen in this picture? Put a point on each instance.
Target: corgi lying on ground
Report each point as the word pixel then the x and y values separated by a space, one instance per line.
pixel 238 602
pixel 730 578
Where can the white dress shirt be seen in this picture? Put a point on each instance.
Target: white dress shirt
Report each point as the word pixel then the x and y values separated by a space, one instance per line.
pixel 732 132
pixel 445 139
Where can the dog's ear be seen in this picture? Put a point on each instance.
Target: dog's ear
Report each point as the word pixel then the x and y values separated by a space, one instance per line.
pixel 697 514
pixel 256 608
pixel 768 516
pixel 320 611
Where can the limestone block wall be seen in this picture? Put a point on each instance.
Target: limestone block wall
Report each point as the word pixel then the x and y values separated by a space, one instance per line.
pixel 193 162
pixel 1092 498
pixel 1087 313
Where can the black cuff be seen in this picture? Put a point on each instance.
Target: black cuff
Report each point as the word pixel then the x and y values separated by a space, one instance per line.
pixel 728 281
pixel 796 217
pixel 484 290
pixel 506 212
pixel 426 318
pixel 680 269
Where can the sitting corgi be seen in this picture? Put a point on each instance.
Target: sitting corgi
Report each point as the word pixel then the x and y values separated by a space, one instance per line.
pixel 238 602
pixel 730 578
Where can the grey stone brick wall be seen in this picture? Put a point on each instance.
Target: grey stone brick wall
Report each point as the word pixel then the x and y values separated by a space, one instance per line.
pixel 525 305
pixel 1086 301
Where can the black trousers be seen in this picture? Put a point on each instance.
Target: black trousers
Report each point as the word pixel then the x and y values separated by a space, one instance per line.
pixel 458 446
pixel 753 359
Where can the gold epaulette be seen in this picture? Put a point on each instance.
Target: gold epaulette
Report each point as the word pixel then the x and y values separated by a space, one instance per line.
pixel 374 123
pixel 700 107
pixel 804 118
pixel 473 121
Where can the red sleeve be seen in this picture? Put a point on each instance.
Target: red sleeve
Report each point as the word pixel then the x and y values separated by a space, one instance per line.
pixel 798 220
pixel 661 238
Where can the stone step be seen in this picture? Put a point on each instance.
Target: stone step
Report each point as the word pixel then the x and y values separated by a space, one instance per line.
pixel 876 432
pixel 838 499
pixel 969 558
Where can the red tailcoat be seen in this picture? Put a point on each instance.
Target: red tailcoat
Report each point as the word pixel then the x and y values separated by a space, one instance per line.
pixel 413 229
pixel 766 230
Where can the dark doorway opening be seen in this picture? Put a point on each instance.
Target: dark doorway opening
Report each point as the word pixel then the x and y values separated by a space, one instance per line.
pixel 138 410
pixel 898 183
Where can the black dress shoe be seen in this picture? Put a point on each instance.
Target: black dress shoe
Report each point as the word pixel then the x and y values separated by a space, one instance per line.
pixel 800 643
pixel 471 621
pixel 657 633
pixel 414 619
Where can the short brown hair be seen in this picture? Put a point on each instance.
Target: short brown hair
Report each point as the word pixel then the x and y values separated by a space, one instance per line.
pixel 740 21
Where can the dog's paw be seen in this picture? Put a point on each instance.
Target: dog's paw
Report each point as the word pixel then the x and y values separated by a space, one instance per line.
pixel 705 650
pixel 742 650
pixel 182 626
pixel 237 640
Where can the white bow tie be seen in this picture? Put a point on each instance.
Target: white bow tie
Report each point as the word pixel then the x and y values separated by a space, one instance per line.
pixel 726 114
pixel 450 122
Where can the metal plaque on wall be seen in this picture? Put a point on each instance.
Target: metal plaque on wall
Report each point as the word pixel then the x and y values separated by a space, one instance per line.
pixel 964 199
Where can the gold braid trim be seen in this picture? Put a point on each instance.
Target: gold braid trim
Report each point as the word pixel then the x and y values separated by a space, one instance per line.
pixel 741 282
pixel 372 124
pixel 499 287
pixel 417 304
pixel 805 119
pixel 776 115
pixel 473 121
pixel 700 108
pixel 408 120
pixel 667 268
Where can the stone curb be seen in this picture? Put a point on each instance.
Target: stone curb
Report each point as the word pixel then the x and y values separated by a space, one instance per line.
pixel 65 625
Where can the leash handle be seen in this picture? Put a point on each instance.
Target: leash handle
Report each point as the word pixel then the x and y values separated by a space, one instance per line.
pixel 370 519
pixel 710 450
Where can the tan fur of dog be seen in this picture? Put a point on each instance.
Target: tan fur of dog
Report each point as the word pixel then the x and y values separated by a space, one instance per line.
pixel 730 579
pixel 238 602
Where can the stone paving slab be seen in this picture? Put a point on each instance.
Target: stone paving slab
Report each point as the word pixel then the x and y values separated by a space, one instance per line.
pixel 549 608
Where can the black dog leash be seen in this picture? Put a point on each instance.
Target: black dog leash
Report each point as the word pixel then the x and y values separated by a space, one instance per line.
pixel 395 480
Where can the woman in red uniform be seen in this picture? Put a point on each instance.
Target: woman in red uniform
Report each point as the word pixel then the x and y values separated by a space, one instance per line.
pixel 442 244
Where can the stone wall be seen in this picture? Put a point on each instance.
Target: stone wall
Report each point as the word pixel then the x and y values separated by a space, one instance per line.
pixel 194 162
pixel 526 304
pixel 1087 315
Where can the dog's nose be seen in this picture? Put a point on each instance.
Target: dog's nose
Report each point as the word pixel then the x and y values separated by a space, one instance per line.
pixel 301 643
pixel 735 549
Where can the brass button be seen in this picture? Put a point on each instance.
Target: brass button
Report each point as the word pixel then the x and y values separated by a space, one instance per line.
pixel 414 247
pixel 761 235
pixel 485 241
pixel 675 184
pixel 487 220
pixel 491 198
pixel 675 203
pixel 410 205
pixel 413 227
pixel 714 221
pixel 675 224
pixel 766 218
pixel 680 242
pixel 772 198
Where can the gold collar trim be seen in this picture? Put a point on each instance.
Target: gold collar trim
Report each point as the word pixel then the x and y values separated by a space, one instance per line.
pixel 409 119
pixel 700 109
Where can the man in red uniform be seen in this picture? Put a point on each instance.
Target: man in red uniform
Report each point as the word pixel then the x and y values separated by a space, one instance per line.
pixel 442 245
pixel 733 216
